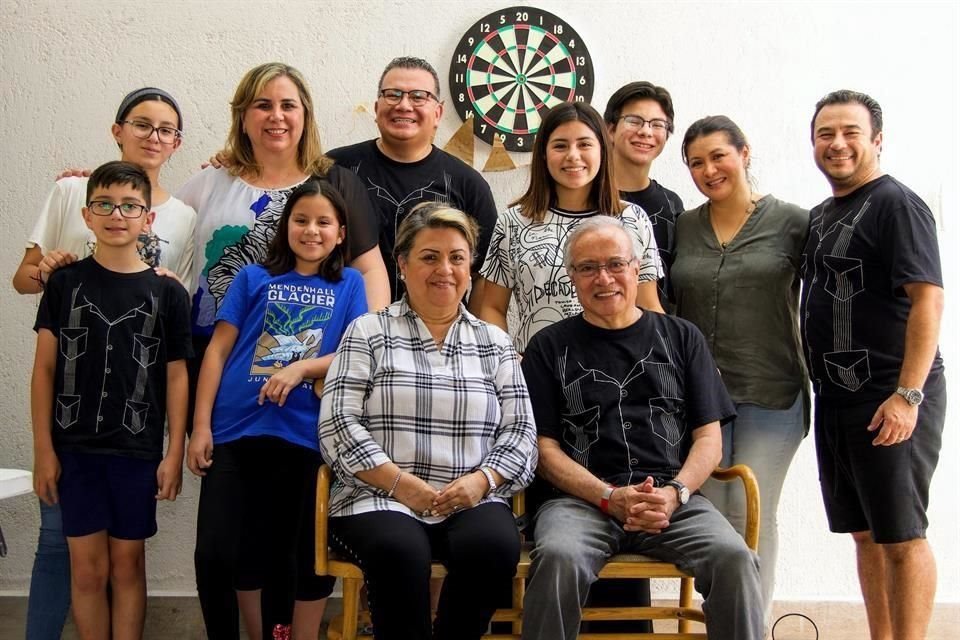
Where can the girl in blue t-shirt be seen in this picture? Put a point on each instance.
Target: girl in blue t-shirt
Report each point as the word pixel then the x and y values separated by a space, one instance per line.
pixel 276 333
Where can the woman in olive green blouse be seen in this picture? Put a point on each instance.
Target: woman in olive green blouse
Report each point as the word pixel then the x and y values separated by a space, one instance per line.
pixel 736 276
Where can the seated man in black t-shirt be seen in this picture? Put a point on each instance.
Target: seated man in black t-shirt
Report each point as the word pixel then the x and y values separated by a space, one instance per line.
pixel 628 406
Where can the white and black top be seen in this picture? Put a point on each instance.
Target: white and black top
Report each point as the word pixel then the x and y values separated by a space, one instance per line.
pixel 397 187
pixel 116 334
pixel 527 257
pixel 623 403
pixel 437 412
pixel 862 249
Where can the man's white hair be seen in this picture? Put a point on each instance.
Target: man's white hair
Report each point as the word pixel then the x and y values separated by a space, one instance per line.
pixel 599 223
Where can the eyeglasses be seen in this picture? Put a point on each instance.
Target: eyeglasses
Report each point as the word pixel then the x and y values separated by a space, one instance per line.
pixel 106 208
pixel 593 269
pixel 143 130
pixel 417 97
pixel 636 123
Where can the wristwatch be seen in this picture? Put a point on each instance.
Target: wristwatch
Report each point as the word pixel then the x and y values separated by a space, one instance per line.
pixel 683 494
pixel 913 396
pixel 605 498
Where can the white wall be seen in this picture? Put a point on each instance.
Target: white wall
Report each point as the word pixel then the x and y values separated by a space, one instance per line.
pixel 764 65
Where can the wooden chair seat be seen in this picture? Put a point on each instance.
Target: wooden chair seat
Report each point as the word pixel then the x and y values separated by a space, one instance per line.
pixel 622 565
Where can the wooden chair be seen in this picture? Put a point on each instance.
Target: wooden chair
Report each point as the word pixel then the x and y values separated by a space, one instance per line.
pixel 624 565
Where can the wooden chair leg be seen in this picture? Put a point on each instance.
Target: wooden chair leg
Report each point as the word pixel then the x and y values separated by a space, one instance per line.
pixel 686 601
pixel 351 607
pixel 519 587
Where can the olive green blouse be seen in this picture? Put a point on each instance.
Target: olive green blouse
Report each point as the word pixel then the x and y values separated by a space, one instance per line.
pixel 744 298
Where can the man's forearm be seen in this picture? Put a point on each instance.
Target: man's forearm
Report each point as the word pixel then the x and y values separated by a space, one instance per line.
pixel 922 333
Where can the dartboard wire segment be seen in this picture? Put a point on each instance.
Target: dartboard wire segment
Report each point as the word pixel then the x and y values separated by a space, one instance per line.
pixel 513 65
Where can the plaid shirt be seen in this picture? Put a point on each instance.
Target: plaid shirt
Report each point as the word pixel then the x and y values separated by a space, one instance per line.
pixel 439 413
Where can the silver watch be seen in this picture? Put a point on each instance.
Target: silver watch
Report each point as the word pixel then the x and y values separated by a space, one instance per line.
pixel 683 494
pixel 913 396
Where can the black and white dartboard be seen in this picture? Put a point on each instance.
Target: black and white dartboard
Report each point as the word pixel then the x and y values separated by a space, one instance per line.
pixel 513 65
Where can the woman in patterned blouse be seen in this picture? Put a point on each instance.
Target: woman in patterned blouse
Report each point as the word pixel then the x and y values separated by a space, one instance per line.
pixel 427 423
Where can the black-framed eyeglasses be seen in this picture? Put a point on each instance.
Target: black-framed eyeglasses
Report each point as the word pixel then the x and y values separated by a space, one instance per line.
pixel 143 130
pixel 636 123
pixel 615 266
pixel 106 208
pixel 417 97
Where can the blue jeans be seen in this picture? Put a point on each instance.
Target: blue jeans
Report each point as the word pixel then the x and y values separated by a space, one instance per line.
pixel 766 441
pixel 50 583
pixel 574 540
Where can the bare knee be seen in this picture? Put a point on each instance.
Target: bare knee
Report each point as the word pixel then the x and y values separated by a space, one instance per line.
pixel 90 575
pixel 127 568
pixel 900 552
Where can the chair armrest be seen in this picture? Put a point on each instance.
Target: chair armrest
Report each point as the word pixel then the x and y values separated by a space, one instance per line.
pixel 323 510
pixel 742 472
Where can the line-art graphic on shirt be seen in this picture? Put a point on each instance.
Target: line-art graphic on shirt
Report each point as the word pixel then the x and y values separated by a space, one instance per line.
pixel 530 262
pixel 251 248
pixel 73 346
pixel 291 332
pixel 846 367
pixel 667 419
pixel 430 192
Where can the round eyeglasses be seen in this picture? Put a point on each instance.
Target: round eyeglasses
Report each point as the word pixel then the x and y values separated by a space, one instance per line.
pixel 143 130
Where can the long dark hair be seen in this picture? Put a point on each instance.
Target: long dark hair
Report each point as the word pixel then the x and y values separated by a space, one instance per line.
pixel 281 258
pixel 542 192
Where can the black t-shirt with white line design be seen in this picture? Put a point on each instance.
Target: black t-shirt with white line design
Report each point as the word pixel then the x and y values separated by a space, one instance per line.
pixel 116 332
pixel 662 207
pixel 397 187
pixel 862 249
pixel 623 403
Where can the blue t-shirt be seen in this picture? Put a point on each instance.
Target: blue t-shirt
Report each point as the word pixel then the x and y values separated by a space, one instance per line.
pixel 281 319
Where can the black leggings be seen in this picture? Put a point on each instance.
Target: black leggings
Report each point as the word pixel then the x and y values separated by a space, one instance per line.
pixel 255 530
pixel 479 547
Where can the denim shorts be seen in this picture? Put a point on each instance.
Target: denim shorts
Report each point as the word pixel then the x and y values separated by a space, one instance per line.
pixel 884 490
pixel 107 492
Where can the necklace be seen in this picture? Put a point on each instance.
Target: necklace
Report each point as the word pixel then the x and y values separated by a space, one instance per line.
pixel 751 207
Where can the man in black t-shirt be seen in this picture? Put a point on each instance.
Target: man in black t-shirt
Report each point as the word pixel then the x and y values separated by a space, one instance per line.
pixel 402 168
pixel 639 118
pixel 628 405
pixel 872 304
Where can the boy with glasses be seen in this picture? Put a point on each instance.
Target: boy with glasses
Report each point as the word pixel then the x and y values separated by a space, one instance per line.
pixel 112 341
pixel 639 118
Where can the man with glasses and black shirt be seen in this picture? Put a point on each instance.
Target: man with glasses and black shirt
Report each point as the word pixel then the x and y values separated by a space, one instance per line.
pixel 402 168
pixel 639 118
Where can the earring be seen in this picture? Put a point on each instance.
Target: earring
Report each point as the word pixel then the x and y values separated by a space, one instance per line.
pixel 402 277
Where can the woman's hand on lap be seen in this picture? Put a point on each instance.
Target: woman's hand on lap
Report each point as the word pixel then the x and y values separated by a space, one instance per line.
pixel 463 493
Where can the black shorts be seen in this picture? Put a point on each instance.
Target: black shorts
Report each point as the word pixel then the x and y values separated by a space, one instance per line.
pixel 884 490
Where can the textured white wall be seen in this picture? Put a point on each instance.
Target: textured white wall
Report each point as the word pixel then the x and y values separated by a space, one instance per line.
pixel 64 72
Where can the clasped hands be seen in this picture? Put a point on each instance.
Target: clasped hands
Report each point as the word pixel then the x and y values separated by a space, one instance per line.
pixel 643 507
pixel 463 493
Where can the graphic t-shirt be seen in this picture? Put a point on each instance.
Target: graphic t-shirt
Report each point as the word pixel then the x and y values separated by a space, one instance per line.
pixel 116 332
pixel 623 403
pixel 862 249
pixel 527 258
pixel 662 207
pixel 237 221
pixel 169 243
pixel 281 319
pixel 397 187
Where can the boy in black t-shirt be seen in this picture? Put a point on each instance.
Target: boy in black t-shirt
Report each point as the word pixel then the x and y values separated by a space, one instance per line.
pixel 112 339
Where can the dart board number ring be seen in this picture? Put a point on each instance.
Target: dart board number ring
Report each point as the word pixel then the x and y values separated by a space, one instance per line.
pixel 513 65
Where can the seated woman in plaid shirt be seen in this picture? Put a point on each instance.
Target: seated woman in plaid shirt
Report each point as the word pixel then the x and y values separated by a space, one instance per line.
pixel 427 423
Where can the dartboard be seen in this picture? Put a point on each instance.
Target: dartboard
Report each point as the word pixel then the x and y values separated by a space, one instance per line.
pixel 513 65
